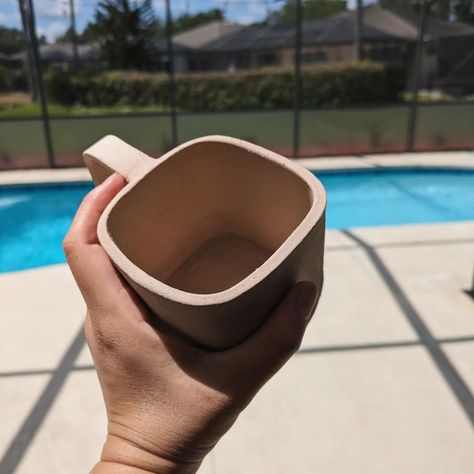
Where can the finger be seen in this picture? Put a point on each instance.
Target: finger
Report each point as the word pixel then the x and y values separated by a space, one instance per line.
pixel 267 350
pixel 84 225
pixel 92 269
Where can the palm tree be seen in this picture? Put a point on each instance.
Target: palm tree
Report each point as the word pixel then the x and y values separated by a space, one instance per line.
pixel 125 30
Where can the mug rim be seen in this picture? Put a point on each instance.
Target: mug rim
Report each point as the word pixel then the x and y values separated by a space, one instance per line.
pixel 145 280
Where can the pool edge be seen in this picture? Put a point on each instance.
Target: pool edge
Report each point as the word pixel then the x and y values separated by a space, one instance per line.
pixel 457 159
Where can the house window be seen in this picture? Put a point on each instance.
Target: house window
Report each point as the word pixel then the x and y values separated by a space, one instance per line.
pixel 267 59
pixel 313 57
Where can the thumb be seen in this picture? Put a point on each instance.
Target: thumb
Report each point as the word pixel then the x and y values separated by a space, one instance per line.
pixel 92 269
pixel 266 351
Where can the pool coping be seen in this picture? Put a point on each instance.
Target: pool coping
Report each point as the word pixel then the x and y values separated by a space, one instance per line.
pixel 456 159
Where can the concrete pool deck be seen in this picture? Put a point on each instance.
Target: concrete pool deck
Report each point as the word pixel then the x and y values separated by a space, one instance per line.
pixel 384 380
pixel 451 159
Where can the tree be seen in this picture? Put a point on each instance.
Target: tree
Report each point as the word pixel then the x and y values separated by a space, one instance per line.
pixel 187 21
pixel 464 10
pixel 87 36
pixel 90 34
pixel 459 10
pixel 155 28
pixel 12 40
pixel 311 10
pixel 124 31
pixel 67 37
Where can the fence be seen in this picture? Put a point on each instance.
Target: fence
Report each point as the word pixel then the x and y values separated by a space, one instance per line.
pixel 55 138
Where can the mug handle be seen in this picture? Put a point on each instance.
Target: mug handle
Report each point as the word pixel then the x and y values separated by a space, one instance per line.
pixel 111 155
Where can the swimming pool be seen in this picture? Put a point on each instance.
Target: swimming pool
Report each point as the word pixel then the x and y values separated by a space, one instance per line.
pixel 34 219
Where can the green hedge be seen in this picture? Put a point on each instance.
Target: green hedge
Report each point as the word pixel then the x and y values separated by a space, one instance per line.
pixel 330 85
pixel 13 79
pixel 4 79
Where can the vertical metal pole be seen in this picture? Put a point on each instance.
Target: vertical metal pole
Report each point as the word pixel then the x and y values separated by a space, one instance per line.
pixel 358 32
pixel 170 52
pixel 30 17
pixel 413 113
pixel 29 55
pixel 75 53
pixel 297 80
pixel 472 286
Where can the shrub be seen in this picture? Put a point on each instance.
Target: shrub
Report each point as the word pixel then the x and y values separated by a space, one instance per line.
pixel 20 79
pixel 61 87
pixel 13 79
pixel 329 85
pixel 5 79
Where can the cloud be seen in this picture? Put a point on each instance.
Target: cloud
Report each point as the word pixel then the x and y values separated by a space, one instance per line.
pixel 253 11
pixel 252 3
pixel 52 30
pixel 51 9
pixel 55 8
pixel 179 7
pixel 10 14
pixel 245 18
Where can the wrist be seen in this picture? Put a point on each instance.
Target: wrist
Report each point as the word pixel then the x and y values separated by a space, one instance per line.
pixel 121 456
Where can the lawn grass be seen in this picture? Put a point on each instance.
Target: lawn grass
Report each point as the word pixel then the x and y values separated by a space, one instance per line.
pixel 19 105
pixel 338 131
pixel 34 110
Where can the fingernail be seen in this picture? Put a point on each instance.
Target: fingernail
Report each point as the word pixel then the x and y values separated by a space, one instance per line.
pixel 305 299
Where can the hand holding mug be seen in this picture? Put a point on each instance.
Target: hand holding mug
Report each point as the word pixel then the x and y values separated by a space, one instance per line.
pixel 168 402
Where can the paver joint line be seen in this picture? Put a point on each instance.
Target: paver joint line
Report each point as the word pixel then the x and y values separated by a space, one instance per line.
pixel 302 351
pixel 358 347
pixel 444 365
pixel 414 243
pixel 25 435
pixel 29 373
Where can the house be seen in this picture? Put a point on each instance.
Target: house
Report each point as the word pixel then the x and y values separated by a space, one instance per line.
pixel 7 60
pixel 456 63
pixel 61 55
pixel 387 36
pixel 189 47
pixel 328 40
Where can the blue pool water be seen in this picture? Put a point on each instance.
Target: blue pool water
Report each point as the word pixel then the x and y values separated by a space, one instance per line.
pixel 34 219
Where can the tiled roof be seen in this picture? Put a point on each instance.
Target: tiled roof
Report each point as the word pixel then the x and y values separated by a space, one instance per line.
pixel 58 52
pixel 200 36
pixel 379 24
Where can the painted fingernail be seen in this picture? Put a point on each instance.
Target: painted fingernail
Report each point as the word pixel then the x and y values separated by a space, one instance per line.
pixel 305 299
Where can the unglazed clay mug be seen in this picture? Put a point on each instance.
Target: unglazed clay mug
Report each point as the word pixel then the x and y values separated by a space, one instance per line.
pixel 211 234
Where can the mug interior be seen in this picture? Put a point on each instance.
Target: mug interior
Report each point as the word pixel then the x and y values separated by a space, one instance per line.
pixel 208 216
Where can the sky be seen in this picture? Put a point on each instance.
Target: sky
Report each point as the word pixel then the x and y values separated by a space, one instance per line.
pixel 52 16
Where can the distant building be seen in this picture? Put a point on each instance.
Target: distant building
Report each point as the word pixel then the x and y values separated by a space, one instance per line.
pixel 387 36
pixel 61 55
pixel 456 63
pixel 8 60
pixel 190 47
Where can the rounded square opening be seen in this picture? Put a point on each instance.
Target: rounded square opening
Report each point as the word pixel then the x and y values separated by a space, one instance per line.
pixel 208 216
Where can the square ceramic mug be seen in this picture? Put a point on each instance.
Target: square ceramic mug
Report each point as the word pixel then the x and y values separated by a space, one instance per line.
pixel 211 234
